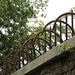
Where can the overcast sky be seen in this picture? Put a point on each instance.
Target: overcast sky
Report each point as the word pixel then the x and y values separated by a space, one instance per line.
pixel 58 7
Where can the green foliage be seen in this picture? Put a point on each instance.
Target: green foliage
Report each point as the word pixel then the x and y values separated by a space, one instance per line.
pixel 60 45
pixel 14 19
pixel 72 10
pixel 64 46
pixel 59 51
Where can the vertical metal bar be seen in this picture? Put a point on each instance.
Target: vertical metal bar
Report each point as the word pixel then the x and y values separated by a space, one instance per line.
pixel 4 65
pixel 50 36
pixel 72 21
pixel 10 60
pixel 11 68
pixel 27 56
pixel 32 46
pixel 39 43
pixel 34 49
pixel 45 42
pixel 23 58
pixel 19 61
pixel 8 64
pixel 66 29
pixel 55 35
pixel 60 32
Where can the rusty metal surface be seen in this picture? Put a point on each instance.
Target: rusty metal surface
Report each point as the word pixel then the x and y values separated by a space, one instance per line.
pixel 42 42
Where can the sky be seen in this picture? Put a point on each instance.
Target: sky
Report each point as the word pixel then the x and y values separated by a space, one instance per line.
pixel 57 7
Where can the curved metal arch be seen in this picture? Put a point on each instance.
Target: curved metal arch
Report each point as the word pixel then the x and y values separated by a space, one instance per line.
pixel 34 49
pixel 2 60
pixel 12 52
pixel 49 31
pixel 26 53
pixel 5 58
pixel 54 26
pixel 17 59
pixel 23 52
pixel 47 25
pixel 27 42
pixel 31 45
pixel 45 31
pixel 29 55
pixel 12 64
pixel 15 56
pixel 8 56
pixel 61 16
pixel 5 69
pixel 43 40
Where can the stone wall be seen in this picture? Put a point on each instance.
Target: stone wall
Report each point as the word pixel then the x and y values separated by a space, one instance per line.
pixel 62 66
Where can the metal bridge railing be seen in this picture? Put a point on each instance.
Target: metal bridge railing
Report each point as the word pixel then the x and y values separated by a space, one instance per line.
pixel 54 33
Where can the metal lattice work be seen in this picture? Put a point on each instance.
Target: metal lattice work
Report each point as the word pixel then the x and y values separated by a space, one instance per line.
pixel 54 33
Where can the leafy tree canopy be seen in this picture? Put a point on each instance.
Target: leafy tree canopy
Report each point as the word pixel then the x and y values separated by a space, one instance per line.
pixel 14 22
